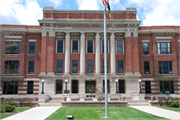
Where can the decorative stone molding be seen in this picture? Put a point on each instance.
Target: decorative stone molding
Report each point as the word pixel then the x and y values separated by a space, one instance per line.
pixel 90 36
pixel 102 35
pixel 44 33
pixel 52 34
pixel 163 40
pixel 135 34
pixel 127 34
pixel 60 35
pixel 75 35
pixel 119 36
pixel 163 33
pixel 12 78
pixel 166 77
pixel 145 40
pixel 14 32
pixel 13 38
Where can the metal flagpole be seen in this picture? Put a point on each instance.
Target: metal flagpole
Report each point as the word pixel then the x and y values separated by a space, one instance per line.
pixel 105 66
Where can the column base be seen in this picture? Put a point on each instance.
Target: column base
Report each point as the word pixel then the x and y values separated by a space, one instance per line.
pixel 129 74
pixel 137 74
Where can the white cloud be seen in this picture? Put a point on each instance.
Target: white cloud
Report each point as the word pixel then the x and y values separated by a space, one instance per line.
pixel 88 4
pixel 56 2
pixel 15 12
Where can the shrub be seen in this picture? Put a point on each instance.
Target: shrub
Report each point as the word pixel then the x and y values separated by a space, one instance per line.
pixel 177 103
pixel 4 104
pixel 160 101
pixel 173 103
pixel 10 108
pixel 12 103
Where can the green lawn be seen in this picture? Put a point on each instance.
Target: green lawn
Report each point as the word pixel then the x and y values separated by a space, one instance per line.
pixel 173 109
pixel 115 113
pixel 2 115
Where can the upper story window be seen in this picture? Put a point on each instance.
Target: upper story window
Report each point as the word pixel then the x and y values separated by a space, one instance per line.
pixel 31 67
pixel 90 46
pixel 164 48
pixel 120 66
pixel 59 46
pixel 75 46
pixel 32 47
pixel 12 47
pixel 74 66
pixel 90 66
pixel 11 67
pixel 119 46
pixel 165 67
pixel 107 46
pixel 145 48
pixel 146 67
pixel 107 67
pixel 59 66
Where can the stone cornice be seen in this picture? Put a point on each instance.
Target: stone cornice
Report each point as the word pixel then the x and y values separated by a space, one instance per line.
pixel 159 32
pixel 166 77
pixel 12 78
pixel 19 31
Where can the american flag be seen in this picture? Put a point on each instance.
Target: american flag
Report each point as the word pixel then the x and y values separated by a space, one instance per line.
pixel 105 2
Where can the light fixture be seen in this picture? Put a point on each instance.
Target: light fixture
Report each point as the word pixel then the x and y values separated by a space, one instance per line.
pixel 116 86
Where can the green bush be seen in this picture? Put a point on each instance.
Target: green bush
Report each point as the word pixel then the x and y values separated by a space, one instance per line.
pixel 12 103
pixel 173 103
pixel 177 103
pixel 4 104
pixel 10 108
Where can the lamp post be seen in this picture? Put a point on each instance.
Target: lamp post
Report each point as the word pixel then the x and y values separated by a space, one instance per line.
pixel 116 86
pixel 42 86
pixel 66 85
pixel 140 86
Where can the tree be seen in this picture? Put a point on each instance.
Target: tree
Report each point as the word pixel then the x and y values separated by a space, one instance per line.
pixel 100 94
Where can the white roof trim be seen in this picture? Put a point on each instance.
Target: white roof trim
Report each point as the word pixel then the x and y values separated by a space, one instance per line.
pixel 13 37
pixel 145 40
pixel 32 40
pixel 164 38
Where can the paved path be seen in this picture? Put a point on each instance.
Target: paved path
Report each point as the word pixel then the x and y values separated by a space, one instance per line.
pixel 159 112
pixel 37 113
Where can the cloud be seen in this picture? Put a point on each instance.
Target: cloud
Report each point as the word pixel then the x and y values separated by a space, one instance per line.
pixel 20 12
pixel 56 2
pixel 88 4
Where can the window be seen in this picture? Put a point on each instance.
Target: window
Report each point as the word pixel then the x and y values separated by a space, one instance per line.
pixel 59 86
pixel 119 46
pixel 59 46
pixel 90 46
pixel 75 66
pixel 166 87
pixel 146 67
pixel 164 48
pixel 31 67
pixel 10 87
pixel 12 47
pixel 30 87
pixel 90 66
pixel 59 66
pixel 120 66
pixel 103 46
pixel 11 67
pixel 121 86
pixel 145 48
pixel 165 67
pixel 74 86
pixel 90 86
pixel 32 47
pixel 75 46
pixel 107 67
pixel 148 87
pixel 107 86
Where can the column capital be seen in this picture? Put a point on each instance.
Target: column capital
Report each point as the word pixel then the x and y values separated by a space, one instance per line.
pixel 112 32
pixel 127 34
pixel 135 34
pixel 44 33
pixel 52 34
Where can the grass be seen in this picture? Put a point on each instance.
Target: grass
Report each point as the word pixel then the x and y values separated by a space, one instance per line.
pixel 172 109
pixel 115 113
pixel 3 115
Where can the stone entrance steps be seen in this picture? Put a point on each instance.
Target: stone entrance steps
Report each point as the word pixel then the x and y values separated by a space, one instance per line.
pixel 138 103
pixel 49 104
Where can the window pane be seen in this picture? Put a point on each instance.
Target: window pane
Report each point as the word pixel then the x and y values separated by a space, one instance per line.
pixel 158 48
pixel 165 68
pixel 120 66
pixel 60 46
pixel 107 86
pixel 90 46
pixel 121 86
pixel 167 87
pixel 145 48
pixel 172 87
pixel 107 67
pixel 59 66
pixel 119 46
pixel 10 87
pixel 58 86
pixel 90 66
pixel 31 47
pixel 75 46
pixel 75 66
pixel 11 67
pixel 31 67
pixel 90 86
pixel 12 47
pixel 146 67
pixel 30 87
pixel 161 87
pixel 103 46
pixel 74 86
pixel 148 86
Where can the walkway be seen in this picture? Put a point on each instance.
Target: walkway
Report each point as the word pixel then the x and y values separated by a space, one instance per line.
pixel 159 112
pixel 37 113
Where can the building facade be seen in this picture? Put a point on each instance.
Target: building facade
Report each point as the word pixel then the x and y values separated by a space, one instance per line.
pixel 66 51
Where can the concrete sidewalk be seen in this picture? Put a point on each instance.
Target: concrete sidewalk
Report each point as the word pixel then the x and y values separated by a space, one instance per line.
pixel 37 113
pixel 159 112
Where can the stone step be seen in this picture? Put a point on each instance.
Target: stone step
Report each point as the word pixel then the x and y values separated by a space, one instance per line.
pixel 49 104
pixel 55 101
pixel 138 104
pixel 132 101
pixel 143 101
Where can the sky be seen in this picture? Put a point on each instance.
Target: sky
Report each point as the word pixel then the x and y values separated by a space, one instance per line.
pixel 150 12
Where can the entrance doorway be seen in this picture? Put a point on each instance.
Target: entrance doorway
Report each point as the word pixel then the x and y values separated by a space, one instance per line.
pixel 59 86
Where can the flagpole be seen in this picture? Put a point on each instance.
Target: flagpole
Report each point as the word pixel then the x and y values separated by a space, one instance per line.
pixel 105 66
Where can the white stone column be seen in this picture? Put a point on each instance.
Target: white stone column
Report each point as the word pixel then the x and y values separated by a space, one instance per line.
pixel 67 54
pixel 97 57
pixel 113 53
pixel 82 55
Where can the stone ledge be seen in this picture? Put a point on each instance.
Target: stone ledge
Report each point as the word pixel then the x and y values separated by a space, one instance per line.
pixel 12 78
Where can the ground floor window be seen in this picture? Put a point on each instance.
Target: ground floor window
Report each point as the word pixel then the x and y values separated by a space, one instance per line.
pixel 30 87
pixel 121 86
pixel 148 87
pixel 59 86
pixel 90 86
pixel 107 86
pixel 74 86
pixel 10 87
pixel 166 87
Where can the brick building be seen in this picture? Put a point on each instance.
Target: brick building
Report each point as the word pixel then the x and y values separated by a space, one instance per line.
pixel 67 46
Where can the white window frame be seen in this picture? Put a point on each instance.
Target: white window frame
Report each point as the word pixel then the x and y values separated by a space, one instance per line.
pixel 57 46
pixel 87 46
pixel 72 45
pixel 116 46
pixel 101 46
